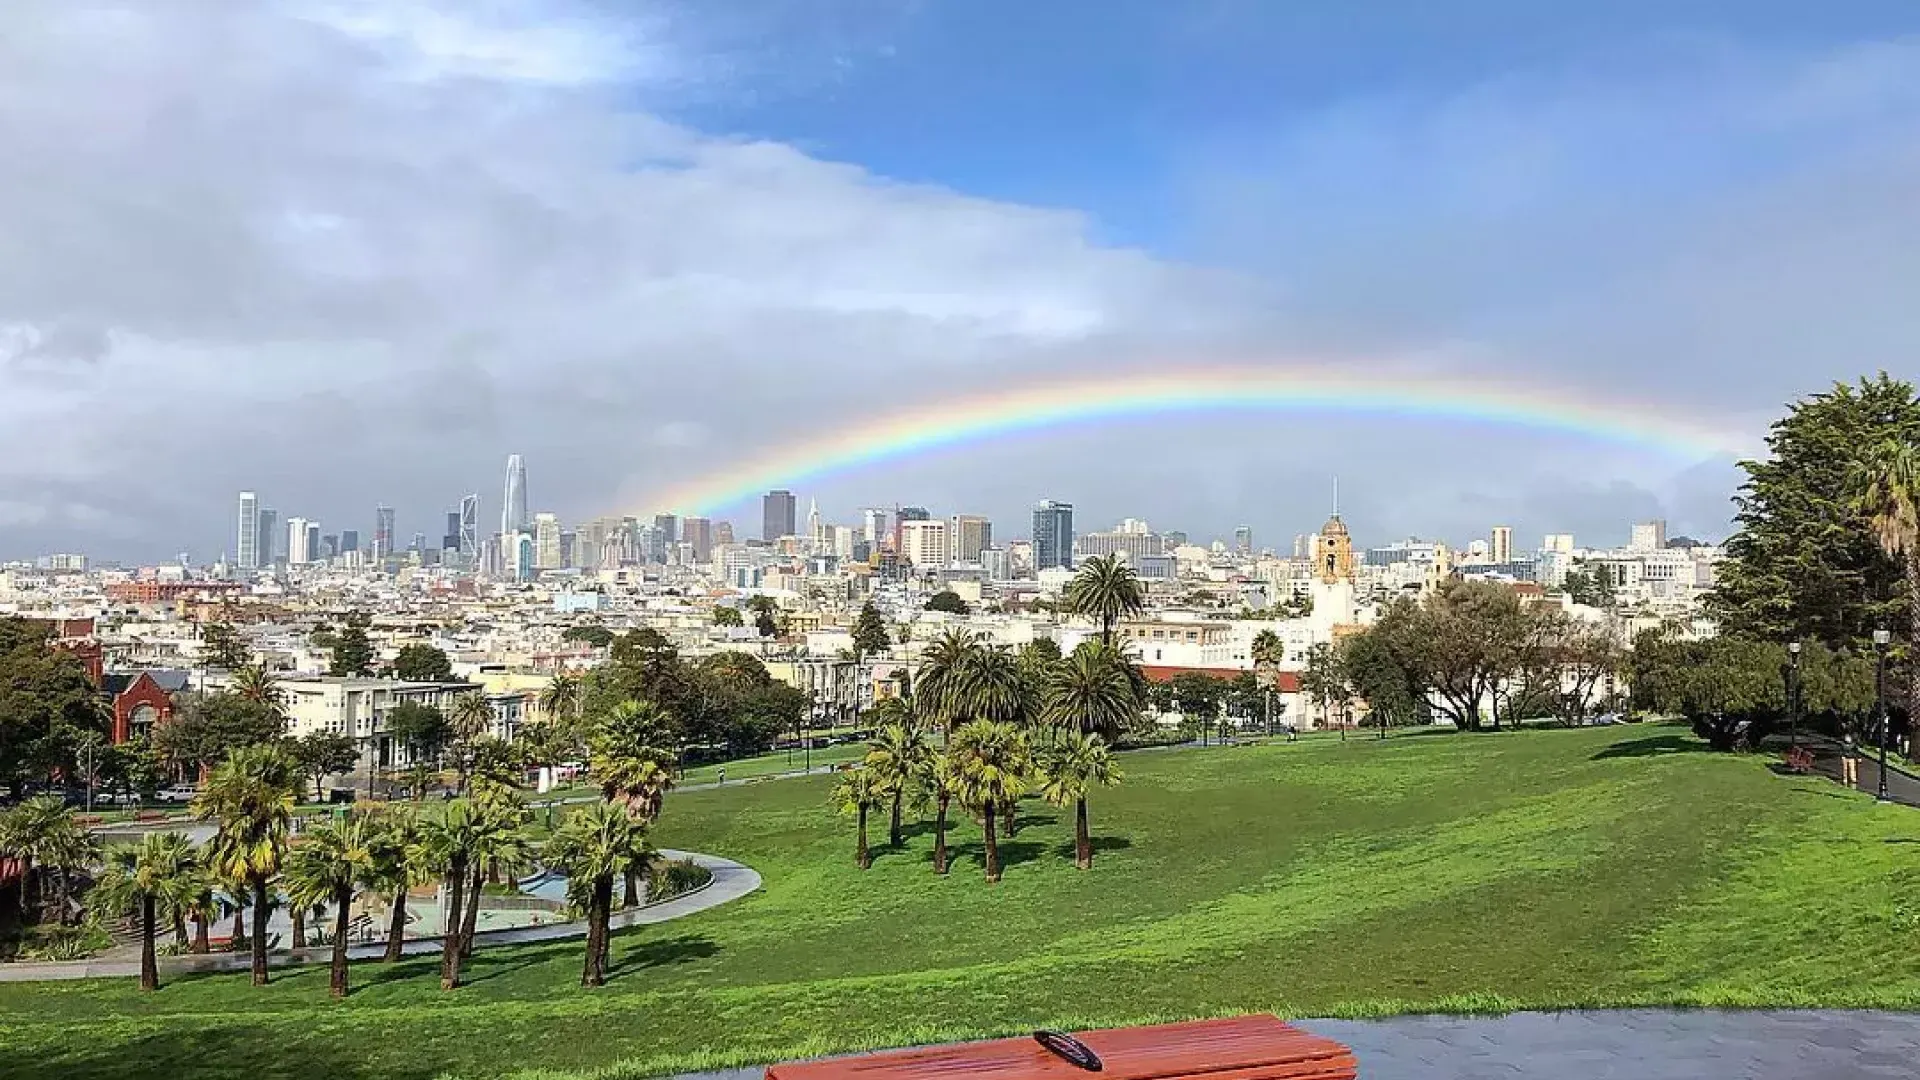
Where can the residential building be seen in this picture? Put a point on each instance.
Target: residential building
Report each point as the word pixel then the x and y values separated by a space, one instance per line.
pixel 1500 544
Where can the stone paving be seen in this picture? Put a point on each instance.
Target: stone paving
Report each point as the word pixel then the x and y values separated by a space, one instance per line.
pixel 1626 1044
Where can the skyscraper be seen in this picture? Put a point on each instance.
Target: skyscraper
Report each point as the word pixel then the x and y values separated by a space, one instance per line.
pixel 298 551
pixel 513 506
pixel 546 542
pixel 1243 540
pixel 349 540
pixel 247 550
pixel 470 525
pixel 382 532
pixel 971 535
pixel 450 540
pixel 669 527
pixel 267 544
pixel 1052 535
pixel 1500 544
pixel 698 532
pixel 776 514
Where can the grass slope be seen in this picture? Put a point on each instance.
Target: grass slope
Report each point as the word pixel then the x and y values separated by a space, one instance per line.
pixel 1607 866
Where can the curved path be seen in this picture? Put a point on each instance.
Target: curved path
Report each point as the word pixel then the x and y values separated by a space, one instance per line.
pixel 731 880
pixel 1614 1044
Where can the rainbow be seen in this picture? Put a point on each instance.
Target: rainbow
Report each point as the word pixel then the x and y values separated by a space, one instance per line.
pixel 938 425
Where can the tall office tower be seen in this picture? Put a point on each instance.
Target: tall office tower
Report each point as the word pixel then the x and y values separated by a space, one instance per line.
pixel 1649 536
pixel 876 525
pixel 247 550
pixel 382 532
pixel 924 543
pixel 569 548
pixel 546 542
pixel 815 531
pixel 1052 535
pixel 698 532
pixel 470 525
pixel 723 532
pixel 313 541
pixel 513 506
pixel 298 552
pixel 349 540
pixel 329 546
pixel 1243 540
pixel 450 540
pixel 776 514
pixel 971 535
pixel 1500 544
pixel 902 515
pixel 669 526
pixel 419 542
pixel 267 544
pixel 1174 538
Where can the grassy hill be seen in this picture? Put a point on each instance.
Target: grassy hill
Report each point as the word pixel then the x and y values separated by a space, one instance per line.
pixel 1551 868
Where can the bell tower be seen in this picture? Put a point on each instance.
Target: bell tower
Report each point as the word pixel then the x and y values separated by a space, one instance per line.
pixel 1333 547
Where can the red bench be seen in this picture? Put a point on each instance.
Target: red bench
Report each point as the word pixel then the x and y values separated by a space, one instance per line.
pixel 1799 759
pixel 1241 1048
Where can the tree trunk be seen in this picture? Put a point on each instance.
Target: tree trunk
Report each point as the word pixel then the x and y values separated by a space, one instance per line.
pixel 471 917
pixel 397 925
pixel 860 857
pixel 239 921
pixel 1913 642
pixel 993 847
pixel 450 941
pixel 298 915
pixel 1082 843
pixel 632 899
pixel 149 966
pixel 200 943
pixel 893 830
pixel 1010 817
pixel 180 929
pixel 593 971
pixel 337 970
pixel 261 909
pixel 940 835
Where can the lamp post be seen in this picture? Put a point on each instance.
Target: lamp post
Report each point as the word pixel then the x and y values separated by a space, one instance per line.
pixel 1793 693
pixel 1880 640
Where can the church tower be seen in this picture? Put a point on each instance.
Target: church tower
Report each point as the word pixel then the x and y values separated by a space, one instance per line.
pixel 1332 586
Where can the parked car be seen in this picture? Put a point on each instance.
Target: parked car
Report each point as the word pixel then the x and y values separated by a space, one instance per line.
pixel 176 793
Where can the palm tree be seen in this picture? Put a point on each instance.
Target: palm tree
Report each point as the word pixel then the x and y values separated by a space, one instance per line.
pixel 990 686
pixel 1092 692
pixel 1887 491
pixel 468 718
pixel 255 683
pixel 899 756
pixel 142 878
pixel 1269 652
pixel 43 836
pixel 249 797
pixel 632 753
pixel 596 844
pixel 447 843
pixel 1069 771
pixel 944 780
pixel 393 840
pixel 859 791
pixel 562 698
pixel 201 906
pixel 329 863
pixel 1106 589
pixel 991 763
pixel 498 844
pixel 942 672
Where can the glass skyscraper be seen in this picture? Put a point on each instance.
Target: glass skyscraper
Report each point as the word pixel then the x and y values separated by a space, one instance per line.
pixel 1052 535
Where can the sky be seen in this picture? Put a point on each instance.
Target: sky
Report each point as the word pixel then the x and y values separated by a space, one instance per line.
pixel 348 252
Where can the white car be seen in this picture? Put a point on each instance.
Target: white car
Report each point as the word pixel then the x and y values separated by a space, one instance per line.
pixel 179 793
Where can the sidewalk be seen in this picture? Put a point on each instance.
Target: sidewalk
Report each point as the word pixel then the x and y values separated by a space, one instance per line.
pixel 1903 786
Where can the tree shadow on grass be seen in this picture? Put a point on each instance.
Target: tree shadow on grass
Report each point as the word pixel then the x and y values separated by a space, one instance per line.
pixel 196 1050
pixel 1098 843
pixel 653 954
pixel 1654 746
pixel 1012 853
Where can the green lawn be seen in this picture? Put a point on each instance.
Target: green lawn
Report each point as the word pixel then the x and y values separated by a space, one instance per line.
pixel 1605 866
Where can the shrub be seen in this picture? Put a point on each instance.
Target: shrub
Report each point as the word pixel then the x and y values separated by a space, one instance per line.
pixel 676 878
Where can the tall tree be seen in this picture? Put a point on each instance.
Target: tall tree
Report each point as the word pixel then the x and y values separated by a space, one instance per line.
pixel 321 755
pixel 1269 654
pixel 727 616
pixel 419 662
pixel 222 647
pixel 595 845
pixel 943 781
pixel 992 764
pixel 468 719
pixel 869 632
pixel 333 860
pixel 899 758
pixel 249 798
pixel 352 651
pixel 47 701
pixel 1805 564
pixel 1886 489
pixel 393 846
pixel 146 879
pixel 256 683
pixel 42 835
pixel 633 754
pixel 1105 589
pixel 446 849
pixel 1091 692
pixel 859 791
pixel 499 846
pixel 1069 771
pixel 939 684
pixel 205 728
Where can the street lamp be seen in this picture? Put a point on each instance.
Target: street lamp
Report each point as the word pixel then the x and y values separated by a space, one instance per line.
pixel 1880 640
pixel 1793 693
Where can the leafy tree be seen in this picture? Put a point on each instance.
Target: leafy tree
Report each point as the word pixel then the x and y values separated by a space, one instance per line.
pixel 859 791
pixel 1269 654
pixel 1723 686
pixel 144 880
pixel 321 755
pixel 333 860
pixel 256 683
pixel 562 697
pixel 222 647
pixel 870 632
pixel 1805 564
pixel 948 601
pixel 206 728
pixel 1198 695
pixel 597 844
pixel 1459 644
pixel 727 616
pixel 766 614
pixel 1589 585
pixel 421 729
pixel 352 652
pixel 249 798
pixel 1105 589
pixel 939 693
pixel 1379 671
pixel 1091 692
pixel 418 662
pixel 47 703
pixel 1886 490
pixel 1580 656
pixel 392 842
pixel 899 758
pixel 992 763
pixel 592 634
pixel 41 834
pixel 1069 771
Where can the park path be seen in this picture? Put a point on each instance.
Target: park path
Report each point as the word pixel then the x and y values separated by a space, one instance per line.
pixel 1902 785
pixel 731 880
pixel 1617 1044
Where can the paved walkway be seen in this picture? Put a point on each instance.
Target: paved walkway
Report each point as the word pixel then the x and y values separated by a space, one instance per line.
pixel 1628 1044
pixel 731 880
pixel 1902 785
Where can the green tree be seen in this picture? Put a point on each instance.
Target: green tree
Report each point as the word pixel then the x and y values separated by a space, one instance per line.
pixel 222 647
pixel 1723 686
pixel 991 687
pixel 870 632
pixel 448 842
pixel 249 798
pixel 592 634
pixel 1105 589
pixel 1589 585
pixel 255 683
pixel 468 719
pixel 899 758
pixel 948 601
pixel 727 616
pixel 393 841
pixel 321 755
pixel 333 860
pixel 41 834
pixel 632 753
pixel 766 614
pixel 992 763
pixel 859 791
pixel 1269 654
pixel 1068 772
pixel 205 728
pixel 47 702
pixel 943 782
pixel 499 847
pixel 939 684
pixel 1886 487
pixel 1198 695
pixel 1091 692
pixel 145 880
pixel 418 662
pixel 595 845
pixel 1804 563
pixel 422 729
pixel 1379 674
pixel 352 651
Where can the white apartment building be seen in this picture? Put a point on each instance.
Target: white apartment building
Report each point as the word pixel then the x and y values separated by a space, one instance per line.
pixel 358 707
pixel 925 543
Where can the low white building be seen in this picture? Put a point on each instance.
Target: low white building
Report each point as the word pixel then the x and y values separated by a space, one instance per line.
pixel 358 708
